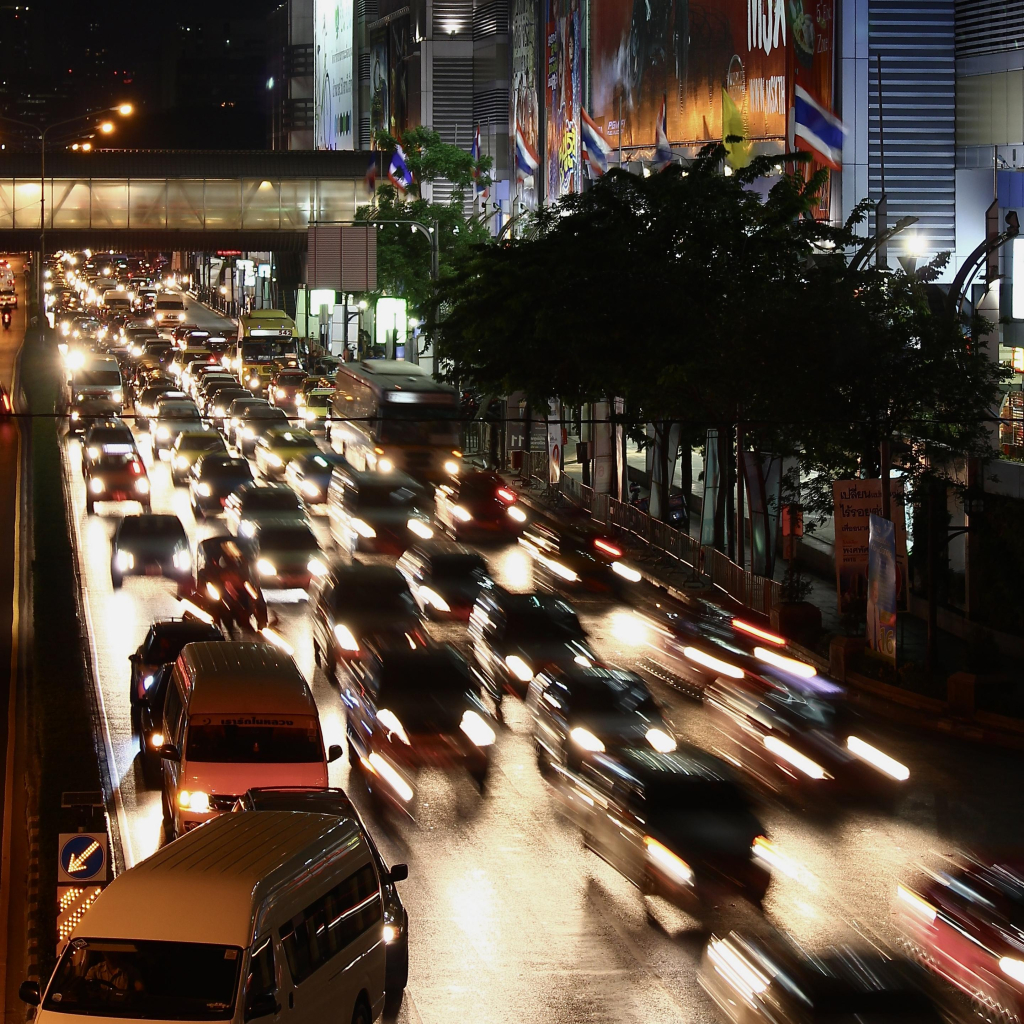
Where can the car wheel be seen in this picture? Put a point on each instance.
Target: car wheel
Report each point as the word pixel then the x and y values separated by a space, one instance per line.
pixel 361 1014
pixel 90 506
pixel 150 769
pixel 116 579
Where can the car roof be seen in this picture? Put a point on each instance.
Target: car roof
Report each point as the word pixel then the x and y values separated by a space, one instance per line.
pixel 184 627
pixel 241 676
pixel 645 765
pixel 296 434
pixel 226 868
pixel 537 600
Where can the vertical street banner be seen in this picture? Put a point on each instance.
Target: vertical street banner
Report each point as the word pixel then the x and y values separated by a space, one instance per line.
pixel 882 587
pixel 380 107
pixel 554 441
pixel 712 485
pixel 855 502
pixel 563 92
pixel 333 89
pixel 524 103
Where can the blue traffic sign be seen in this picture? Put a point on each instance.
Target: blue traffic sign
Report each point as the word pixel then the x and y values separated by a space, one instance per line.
pixel 83 857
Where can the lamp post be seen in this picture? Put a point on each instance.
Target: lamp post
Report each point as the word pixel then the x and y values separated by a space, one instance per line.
pixel 124 109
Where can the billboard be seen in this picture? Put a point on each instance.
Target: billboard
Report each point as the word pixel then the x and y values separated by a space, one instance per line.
pixel 563 91
pixel 333 86
pixel 688 53
pixel 524 105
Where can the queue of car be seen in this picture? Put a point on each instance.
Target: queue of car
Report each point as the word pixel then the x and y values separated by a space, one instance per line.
pixel 228 725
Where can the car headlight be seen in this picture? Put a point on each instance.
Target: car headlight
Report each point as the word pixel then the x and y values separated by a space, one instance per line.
pixel 877 759
pixel 280 393
pixel 451 468
pixel 204 490
pixel 391 932
pixel 517 514
pixel 461 513
pixel 626 572
pixel 234 421
pixel 148 682
pixel 479 732
pixel 96 485
pixel 309 415
pixel 180 462
pixel 792 756
pixel 218 411
pixel 181 559
pixel 254 382
pixel 156 740
pixel 265 567
pixel 316 567
pixel 661 741
pixel 248 432
pixel 519 668
pixel 586 739
pixel 665 859
pixel 434 599
pixel 163 433
pixel 124 560
pixel 273 459
pixel 394 727
pixel 246 529
pixel 346 641
pixel 136 351
pixel 75 417
pixel 142 485
pixel 385 466
pixel 363 529
pixel 93 453
pixel 196 800
pixel 420 528
pixel 1012 968
pixel 310 489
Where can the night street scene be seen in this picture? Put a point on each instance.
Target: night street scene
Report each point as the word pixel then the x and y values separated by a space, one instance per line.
pixel 512 512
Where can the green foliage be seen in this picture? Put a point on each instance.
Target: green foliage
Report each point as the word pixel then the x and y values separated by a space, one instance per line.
pixel 795 586
pixel 403 254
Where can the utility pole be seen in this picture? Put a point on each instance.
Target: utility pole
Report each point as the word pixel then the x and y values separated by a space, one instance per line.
pixel 740 538
pixel 881 251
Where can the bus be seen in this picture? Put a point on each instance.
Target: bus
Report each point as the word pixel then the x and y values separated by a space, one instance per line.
pixel 387 414
pixel 267 340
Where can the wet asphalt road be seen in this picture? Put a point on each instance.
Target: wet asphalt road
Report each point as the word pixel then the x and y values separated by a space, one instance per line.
pixel 511 919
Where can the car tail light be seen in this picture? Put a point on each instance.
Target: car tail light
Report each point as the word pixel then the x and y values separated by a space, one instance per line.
pixel 504 494
pixel 607 548
pixel 136 468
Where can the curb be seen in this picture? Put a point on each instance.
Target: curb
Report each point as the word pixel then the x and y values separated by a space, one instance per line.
pixel 904 706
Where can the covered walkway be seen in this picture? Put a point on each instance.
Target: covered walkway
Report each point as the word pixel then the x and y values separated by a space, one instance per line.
pixel 173 199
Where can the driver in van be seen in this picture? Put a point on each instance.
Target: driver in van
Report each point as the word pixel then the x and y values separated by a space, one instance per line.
pixel 115 975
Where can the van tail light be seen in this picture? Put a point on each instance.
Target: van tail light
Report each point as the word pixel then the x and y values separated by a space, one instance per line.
pixel 505 495
pixel 607 548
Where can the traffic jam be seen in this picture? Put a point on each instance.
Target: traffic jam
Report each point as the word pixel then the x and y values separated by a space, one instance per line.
pixel 436 726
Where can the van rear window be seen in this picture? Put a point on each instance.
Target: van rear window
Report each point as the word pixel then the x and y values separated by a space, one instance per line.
pixel 254 739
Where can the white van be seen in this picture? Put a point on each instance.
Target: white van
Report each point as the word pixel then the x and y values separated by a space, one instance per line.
pixel 169 309
pixel 273 915
pixel 237 715
pixel 117 301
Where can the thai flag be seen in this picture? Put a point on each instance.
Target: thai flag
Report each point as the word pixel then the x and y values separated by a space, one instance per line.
pixel 662 150
pixel 817 130
pixel 370 178
pixel 595 148
pixel 527 161
pixel 398 172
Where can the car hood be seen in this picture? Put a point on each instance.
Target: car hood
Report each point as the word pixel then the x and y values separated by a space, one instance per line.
pixel 151 547
pixel 705 833
pixel 550 652
pixel 214 777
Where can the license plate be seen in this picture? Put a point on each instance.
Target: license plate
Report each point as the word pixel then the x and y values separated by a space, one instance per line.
pixel 154 570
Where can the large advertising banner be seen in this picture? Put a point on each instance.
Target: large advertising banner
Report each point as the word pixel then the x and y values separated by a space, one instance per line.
pixel 524 105
pixel 689 53
pixel 563 92
pixel 856 502
pixel 333 91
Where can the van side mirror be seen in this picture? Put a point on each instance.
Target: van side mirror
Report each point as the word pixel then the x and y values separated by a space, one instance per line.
pixel 134 658
pixel 29 993
pixel 399 872
pixel 334 752
pixel 263 1005
pixel 169 752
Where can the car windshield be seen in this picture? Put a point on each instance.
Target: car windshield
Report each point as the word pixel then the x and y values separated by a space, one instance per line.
pixel 178 411
pixel 254 739
pixel 151 526
pixel 271 500
pixel 538 624
pixel 666 799
pixel 235 469
pixel 374 595
pixel 201 442
pixel 266 412
pixel 291 440
pixel 387 496
pixel 152 980
pixel 117 460
pixel 318 400
pixel 456 567
pixel 98 378
pixel 420 691
pixel 414 423
pixel 111 435
pixel 607 696
pixel 282 539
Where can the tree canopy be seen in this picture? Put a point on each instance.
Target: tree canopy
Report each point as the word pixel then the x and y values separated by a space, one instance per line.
pixel 702 299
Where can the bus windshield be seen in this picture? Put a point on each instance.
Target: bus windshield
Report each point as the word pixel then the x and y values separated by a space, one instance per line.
pixel 419 424
pixel 268 349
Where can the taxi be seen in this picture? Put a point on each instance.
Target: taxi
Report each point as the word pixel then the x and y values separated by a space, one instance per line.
pixel 278 446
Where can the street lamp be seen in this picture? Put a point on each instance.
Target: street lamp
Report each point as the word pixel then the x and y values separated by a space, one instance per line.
pixel 124 109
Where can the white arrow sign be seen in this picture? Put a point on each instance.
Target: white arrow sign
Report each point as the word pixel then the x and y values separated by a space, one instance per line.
pixel 78 862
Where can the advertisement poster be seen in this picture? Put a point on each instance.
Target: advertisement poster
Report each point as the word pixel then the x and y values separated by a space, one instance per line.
pixel 333 89
pixel 563 92
pixel 524 107
pixel 380 108
pixel 856 501
pixel 399 32
pixel 688 53
pixel 554 440
pixel 882 584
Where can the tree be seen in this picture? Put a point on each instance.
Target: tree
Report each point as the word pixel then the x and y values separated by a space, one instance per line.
pixel 403 254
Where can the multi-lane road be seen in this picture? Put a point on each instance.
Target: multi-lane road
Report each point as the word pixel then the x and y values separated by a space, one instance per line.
pixel 510 917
